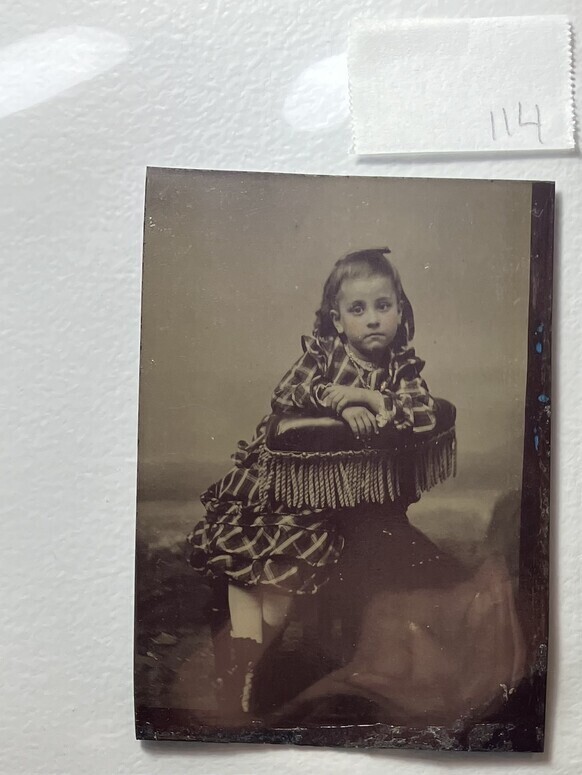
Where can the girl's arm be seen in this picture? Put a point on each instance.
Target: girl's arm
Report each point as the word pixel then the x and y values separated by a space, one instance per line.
pixel 301 389
pixel 410 404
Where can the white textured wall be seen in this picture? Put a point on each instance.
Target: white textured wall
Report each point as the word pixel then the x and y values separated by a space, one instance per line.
pixel 194 83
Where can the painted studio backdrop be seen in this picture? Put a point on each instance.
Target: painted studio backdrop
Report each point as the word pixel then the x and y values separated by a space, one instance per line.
pixel 234 266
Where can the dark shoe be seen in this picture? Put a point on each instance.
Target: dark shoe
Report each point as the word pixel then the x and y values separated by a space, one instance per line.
pixel 247 689
pixel 267 676
pixel 237 683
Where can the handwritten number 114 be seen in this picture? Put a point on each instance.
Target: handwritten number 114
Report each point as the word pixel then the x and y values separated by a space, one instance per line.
pixel 509 128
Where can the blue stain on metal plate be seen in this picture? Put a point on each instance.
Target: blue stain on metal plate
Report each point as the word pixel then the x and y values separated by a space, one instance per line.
pixel 543 398
pixel 536 441
pixel 538 336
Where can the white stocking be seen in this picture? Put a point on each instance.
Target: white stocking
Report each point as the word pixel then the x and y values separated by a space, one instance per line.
pixel 245 613
pixel 276 607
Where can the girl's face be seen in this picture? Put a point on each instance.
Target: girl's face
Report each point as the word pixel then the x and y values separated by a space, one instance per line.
pixel 368 314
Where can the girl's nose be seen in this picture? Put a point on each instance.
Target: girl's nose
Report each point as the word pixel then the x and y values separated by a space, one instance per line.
pixel 373 321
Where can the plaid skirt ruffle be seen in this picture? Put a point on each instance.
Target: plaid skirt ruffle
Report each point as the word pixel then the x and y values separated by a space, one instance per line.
pixel 294 553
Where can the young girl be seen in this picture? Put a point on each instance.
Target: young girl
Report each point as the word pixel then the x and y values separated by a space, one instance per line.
pixel 358 366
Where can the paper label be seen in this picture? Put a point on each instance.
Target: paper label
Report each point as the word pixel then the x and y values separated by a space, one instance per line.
pixel 462 85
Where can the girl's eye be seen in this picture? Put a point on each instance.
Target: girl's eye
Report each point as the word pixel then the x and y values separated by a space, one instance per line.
pixel 357 309
pixel 385 305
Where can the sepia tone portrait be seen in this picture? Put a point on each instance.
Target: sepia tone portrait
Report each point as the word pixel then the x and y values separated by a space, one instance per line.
pixel 343 446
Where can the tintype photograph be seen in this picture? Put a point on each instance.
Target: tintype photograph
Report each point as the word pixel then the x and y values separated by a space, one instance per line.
pixel 343 461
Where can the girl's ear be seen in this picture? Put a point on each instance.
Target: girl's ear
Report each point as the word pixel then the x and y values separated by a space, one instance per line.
pixel 335 319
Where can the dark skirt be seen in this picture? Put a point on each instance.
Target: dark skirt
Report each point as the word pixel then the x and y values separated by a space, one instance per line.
pixel 293 553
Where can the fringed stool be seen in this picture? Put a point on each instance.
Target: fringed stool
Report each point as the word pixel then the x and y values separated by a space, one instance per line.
pixel 317 463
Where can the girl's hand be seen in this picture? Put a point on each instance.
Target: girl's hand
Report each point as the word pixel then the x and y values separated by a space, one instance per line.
pixel 338 397
pixel 361 421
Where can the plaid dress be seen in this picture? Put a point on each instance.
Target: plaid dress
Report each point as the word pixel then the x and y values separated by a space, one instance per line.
pixel 295 552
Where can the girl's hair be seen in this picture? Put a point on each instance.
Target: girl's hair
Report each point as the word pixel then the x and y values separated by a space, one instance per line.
pixel 363 263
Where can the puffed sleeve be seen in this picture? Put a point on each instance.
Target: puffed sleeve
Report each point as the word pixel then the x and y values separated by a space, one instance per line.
pixel 302 386
pixel 408 403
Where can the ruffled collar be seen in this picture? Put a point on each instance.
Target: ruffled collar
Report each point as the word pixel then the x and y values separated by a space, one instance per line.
pixel 360 362
pixel 324 349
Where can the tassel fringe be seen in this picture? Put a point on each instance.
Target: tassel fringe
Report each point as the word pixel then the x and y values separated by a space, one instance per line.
pixel 319 480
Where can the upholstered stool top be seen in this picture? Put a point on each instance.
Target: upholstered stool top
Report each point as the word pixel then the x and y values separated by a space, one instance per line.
pixel 316 462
